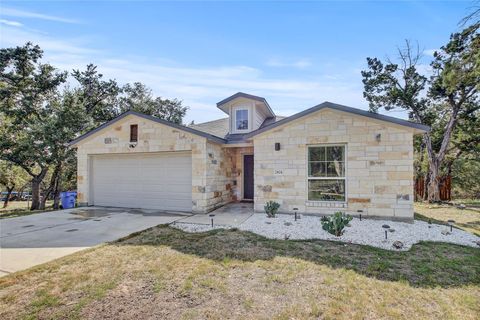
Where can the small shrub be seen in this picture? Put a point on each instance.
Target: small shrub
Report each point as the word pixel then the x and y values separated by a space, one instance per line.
pixel 271 208
pixel 336 223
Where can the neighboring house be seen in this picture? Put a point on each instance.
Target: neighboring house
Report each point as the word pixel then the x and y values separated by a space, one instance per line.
pixel 325 159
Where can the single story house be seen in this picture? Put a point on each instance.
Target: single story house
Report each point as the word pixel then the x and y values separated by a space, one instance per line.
pixel 324 159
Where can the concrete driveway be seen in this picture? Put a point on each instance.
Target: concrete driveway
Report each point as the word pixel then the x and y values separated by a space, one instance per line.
pixel 39 238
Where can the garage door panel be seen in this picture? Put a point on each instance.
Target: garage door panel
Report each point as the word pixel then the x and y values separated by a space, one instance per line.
pixel 153 181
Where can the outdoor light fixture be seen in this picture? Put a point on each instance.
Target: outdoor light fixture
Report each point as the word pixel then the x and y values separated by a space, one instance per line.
pixel 295 210
pixel 378 137
pixel 451 222
pixel 360 214
pixel 211 215
pixel 386 227
pixel 277 146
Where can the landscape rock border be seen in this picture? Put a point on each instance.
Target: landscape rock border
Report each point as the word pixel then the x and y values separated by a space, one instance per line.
pixel 366 232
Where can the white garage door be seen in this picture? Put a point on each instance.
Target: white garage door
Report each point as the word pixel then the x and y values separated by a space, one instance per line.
pixel 151 181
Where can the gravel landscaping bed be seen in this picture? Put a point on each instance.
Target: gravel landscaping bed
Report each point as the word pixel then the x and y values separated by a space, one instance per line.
pixel 366 232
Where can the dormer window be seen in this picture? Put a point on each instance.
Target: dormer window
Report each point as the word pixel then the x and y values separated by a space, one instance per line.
pixel 241 119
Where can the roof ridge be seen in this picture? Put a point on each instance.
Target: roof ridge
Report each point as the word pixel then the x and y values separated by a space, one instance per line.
pixel 339 107
pixel 197 124
pixel 151 118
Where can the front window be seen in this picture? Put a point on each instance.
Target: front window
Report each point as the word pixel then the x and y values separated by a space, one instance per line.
pixel 326 173
pixel 241 119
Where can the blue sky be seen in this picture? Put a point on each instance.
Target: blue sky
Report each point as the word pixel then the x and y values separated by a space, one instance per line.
pixel 295 54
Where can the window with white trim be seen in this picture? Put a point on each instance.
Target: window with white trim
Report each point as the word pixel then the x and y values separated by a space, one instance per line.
pixel 326 173
pixel 241 119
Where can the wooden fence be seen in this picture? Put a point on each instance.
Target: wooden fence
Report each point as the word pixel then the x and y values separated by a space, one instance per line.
pixel 445 188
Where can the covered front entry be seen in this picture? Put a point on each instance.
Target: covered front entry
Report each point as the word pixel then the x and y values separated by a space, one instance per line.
pixel 160 180
pixel 248 177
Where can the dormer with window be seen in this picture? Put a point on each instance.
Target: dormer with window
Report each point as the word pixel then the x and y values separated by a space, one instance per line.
pixel 246 112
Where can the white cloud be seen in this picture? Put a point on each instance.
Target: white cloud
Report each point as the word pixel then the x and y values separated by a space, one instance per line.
pixel 200 87
pixel 73 46
pixel 11 23
pixel 11 12
pixel 300 63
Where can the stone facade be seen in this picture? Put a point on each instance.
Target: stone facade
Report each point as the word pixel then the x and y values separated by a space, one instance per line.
pixel 379 165
pixel 219 183
pixel 237 172
pixel 379 162
pixel 210 188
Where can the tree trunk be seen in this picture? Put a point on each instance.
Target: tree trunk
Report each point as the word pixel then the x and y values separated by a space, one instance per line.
pixel 434 161
pixel 434 183
pixel 56 189
pixel 56 195
pixel 426 181
pixel 53 186
pixel 36 181
pixel 9 193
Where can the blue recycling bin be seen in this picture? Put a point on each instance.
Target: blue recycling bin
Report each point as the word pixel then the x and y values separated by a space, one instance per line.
pixel 68 199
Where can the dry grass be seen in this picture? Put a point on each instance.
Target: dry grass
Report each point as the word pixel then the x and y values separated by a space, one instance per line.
pixel 467 219
pixel 21 208
pixel 168 274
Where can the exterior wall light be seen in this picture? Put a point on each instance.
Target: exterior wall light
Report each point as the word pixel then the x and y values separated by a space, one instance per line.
pixel 277 146
pixel 378 137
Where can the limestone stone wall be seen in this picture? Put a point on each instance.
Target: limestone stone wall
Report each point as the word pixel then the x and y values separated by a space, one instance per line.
pixel 219 176
pixel 237 170
pixel 152 137
pixel 379 174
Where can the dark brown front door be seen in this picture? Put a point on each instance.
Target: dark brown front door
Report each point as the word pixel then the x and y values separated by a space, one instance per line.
pixel 248 177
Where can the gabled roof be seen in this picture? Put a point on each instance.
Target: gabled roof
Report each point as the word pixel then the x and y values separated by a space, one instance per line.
pixel 151 118
pixel 340 107
pixel 220 128
pixel 246 96
pixel 217 127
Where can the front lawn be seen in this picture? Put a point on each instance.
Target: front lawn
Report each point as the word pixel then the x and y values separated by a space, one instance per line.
pixel 467 219
pixel 21 208
pixel 166 273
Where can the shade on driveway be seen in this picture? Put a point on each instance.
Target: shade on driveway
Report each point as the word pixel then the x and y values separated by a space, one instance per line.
pixel 38 238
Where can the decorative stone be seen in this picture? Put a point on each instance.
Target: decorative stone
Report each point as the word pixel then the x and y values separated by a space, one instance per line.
pixel 461 206
pixel 403 197
pixel 391 230
pixel 267 188
pixel 287 224
pixel 397 244
pixel 268 222
pixel 349 225
pixel 446 232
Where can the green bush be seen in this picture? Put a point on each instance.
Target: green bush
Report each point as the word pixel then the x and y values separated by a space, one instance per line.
pixel 336 223
pixel 271 208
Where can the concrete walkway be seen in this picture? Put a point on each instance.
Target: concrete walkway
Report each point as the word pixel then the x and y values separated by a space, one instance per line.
pixel 38 238
pixel 232 214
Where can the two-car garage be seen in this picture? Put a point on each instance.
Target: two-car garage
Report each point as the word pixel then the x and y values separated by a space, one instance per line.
pixel 160 180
